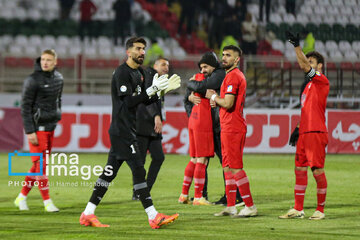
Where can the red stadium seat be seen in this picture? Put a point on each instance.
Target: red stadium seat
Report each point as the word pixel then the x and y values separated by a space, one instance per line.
pixel 346 66
pixel 331 66
pixel 26 62
pixel 11 61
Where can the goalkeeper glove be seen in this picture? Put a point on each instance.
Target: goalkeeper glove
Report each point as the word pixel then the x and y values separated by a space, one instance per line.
pixel 158 84
pixel 174 83
pixel 294 137
pixel 294 40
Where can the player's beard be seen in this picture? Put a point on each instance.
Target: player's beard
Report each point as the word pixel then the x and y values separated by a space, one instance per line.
pixel 139 60
pixel 227 66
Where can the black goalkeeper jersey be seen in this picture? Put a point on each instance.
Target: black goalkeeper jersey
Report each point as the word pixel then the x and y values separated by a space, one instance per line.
pixel 127 91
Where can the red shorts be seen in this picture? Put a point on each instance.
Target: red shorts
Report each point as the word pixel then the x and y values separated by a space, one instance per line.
pixel 45 140
pixel 310 150
pixel 232 148
pixel 201 143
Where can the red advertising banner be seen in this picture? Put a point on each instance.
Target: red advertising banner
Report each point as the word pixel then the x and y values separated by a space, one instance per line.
pixel 85 129
pixel 11 129
pixel 344 131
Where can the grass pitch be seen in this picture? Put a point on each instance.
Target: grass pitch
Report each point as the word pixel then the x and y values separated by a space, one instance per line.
pixel 271 181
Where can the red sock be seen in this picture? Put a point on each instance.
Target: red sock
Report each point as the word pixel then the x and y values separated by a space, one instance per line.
pixel 321 191
pixel 199 179
pixel 188 176
pixel 301 182
pixel 44 187
pixel 230 189
pixel 29 180
pixel 244 187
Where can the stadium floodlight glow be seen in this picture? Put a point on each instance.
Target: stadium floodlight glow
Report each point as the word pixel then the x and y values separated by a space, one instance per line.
pixel 15 153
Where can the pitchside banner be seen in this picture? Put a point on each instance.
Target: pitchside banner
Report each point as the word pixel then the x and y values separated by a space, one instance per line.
pixel 85 129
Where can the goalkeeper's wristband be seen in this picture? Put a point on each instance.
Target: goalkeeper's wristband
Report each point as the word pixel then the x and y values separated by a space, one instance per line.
pixel 213 97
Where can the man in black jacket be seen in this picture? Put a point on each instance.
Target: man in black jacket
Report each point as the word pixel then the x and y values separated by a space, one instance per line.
pixel 40 111
pixel 149 125
pixel 214 76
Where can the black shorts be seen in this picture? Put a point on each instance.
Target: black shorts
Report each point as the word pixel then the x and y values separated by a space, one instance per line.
pixel 126 151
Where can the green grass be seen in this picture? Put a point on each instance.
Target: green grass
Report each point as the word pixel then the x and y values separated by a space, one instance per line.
pixel 271 181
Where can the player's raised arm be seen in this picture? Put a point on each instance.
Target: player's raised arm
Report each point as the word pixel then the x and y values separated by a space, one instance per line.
pixel 300 56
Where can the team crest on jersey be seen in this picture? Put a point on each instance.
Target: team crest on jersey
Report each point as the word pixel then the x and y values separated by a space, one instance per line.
pixel 123 88
pixel 229 88
pixel 318 73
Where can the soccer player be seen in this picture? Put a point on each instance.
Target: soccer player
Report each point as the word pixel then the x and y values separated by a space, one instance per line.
pixel 127 92
pixel 149 125
pixel 40 111
pixel 310 136
pixel 233 133
pixel 201 149
pixel 214 76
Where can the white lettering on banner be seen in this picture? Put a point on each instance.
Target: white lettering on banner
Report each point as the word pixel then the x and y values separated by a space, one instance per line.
pixel 169 132
pixel 184 139
pixel 352 134
pixel 356 145
pixel 85 129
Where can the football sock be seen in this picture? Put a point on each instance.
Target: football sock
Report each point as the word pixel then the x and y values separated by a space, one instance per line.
pixel 230 189
pixel 242 183
pixel 90 208
pixel 44 187
pixel 29 180
pixel 188 176
pixel 199 179
pixel 301 181
pixel 151 212
pixel 100 188
pixel 321 191
pixel 140 187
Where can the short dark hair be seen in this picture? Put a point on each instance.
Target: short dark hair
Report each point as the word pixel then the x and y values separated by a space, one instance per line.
pixel 319 58
pixel 234 48
pixel 130 42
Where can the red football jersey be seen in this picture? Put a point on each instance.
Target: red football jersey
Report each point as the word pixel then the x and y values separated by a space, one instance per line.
pixel 313 103
pixel 232 120
pixel 200 118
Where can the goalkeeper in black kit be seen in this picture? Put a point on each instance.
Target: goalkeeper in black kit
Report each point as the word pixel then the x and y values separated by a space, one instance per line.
pixel 127 92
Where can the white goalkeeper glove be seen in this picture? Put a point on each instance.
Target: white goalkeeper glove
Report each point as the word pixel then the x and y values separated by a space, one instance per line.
pixel 174 83
pixel 158 84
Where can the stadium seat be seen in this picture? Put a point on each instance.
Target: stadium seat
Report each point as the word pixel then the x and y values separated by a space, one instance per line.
pixel 61 50
pixel 35 40
pixel 21 40
pixel 49 41
pixel 335 55
pixel 331 42
pixel 330 66
pixel 278 45
pixel 346 66
pixel 16 50
pixel 319 45
pixel 344 46
pixel 351 55
pixel 31 51
pixel 289 18
pixel 276 18
pixel 303 19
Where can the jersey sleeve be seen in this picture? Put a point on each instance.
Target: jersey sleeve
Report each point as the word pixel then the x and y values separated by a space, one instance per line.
pixel 123 87
pixel 317 77
pixel 232 84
